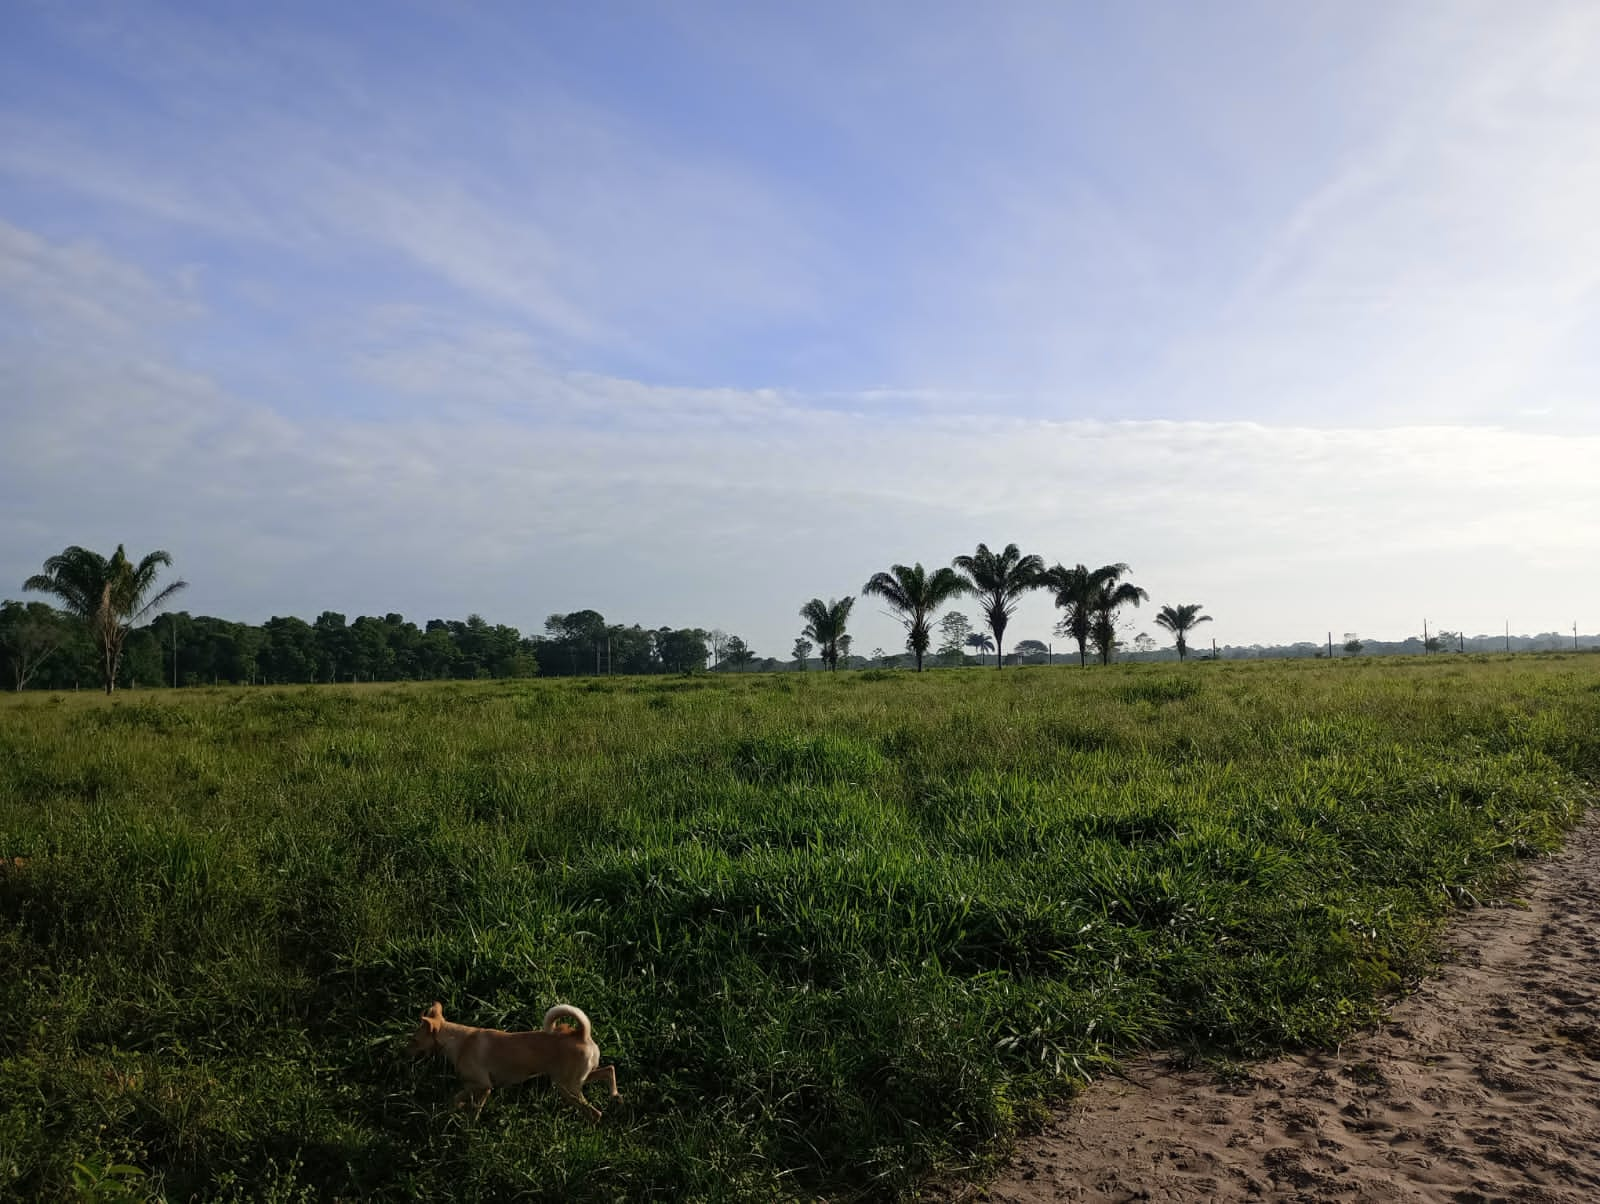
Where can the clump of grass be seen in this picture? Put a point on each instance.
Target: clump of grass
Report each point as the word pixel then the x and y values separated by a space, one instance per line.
pixel 835 938
pixel 1160 689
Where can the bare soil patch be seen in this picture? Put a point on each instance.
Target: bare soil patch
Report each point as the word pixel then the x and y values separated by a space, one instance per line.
pixel 1482 1086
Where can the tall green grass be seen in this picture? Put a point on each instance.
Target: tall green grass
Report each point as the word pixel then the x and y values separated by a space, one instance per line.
pixel 836 932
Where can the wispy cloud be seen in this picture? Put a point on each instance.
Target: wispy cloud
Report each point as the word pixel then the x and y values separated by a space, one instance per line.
pixel 1287 310
pixel 519 510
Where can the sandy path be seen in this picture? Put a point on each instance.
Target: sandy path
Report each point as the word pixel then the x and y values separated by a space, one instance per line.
pixel 1483 1086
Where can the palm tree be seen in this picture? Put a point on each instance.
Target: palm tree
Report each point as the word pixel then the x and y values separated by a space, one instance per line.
pixel 1110 595
pixel 1180 620
pixel 1074 591
pixel 108 595
pixel 1077 590
pixel 825 622
pixel 1000 580
pixel 982 643
pixel 914 596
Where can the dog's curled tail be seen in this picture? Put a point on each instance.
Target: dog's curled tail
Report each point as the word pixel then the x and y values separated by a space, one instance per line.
pixel 569 1012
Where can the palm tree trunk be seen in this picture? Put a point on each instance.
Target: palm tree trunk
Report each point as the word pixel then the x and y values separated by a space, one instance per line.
pixel 999 643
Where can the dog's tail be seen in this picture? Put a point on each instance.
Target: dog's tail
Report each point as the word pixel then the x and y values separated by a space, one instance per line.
pixel 567 1011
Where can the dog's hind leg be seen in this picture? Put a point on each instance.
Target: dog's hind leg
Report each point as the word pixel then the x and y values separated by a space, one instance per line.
pixel 605 1074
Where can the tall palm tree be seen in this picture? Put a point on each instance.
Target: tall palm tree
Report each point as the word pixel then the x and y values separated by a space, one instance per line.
pixel 1110 595
pixel 1077 590
pixel 1180 620
pixel 914 596
pixel 983 643
pixel 825 623
pixel 110 596
pixel 999 580
pixel 1074 591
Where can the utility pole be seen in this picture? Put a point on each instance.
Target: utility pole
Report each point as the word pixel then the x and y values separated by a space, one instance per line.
pixel 1508 636
pixel 1574 635
pixel 1330 645
pixel 1214 655
pixel 1424 637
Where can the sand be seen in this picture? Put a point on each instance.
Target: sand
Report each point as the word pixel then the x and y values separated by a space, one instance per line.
pixel 1482 1086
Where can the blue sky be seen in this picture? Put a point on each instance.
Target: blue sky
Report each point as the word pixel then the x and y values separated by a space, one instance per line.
pixel 692 312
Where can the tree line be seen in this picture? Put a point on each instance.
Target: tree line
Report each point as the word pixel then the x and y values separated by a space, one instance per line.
pixel 97 635
pixel 1090 601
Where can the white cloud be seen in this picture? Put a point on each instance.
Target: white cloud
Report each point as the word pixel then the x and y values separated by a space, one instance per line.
pixel 737 517
pixel 1377 284
pixel 80 287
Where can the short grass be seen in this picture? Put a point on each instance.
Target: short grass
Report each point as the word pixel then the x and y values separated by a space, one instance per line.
pixel 837 933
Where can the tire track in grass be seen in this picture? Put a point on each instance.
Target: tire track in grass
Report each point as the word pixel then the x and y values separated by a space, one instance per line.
pixel 1483 1086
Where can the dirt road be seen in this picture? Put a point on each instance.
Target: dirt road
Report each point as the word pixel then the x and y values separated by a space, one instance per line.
pixel 1483 1086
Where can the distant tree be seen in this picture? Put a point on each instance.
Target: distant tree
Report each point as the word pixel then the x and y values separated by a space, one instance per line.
pixel 288 652
pixel 1353 644
pixel 30 633
pixel 844 651
pixel 999 579
pixel 915 595
pixel 980 643
pixel 1033 648
pixel 1077 595
pixel 372 657
pixel 955 630
pixel 1110 595
pixel 1180 620
pixel 802 652
pixel 107 596
pixel 572 641
pixel 1144 642
pixel 684 650
pixel 333 645
pixel 737 653
pixel 717 640
pixel 825 623
pixel 631 649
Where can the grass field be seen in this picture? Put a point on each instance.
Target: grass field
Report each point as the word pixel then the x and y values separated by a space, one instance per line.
pixel 835 932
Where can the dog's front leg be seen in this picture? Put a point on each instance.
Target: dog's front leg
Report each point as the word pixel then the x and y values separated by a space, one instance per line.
pixel 605 1074
pixel 476 1094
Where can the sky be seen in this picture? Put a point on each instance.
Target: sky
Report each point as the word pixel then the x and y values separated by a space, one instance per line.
pixel 689 313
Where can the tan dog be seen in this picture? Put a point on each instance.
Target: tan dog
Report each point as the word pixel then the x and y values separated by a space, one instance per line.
pixel 486 1058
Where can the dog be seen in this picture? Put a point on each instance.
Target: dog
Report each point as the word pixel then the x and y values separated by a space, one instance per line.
pixel 487 1058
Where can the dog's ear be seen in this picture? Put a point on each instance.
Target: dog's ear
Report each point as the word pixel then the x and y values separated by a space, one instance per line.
pixel 436 1012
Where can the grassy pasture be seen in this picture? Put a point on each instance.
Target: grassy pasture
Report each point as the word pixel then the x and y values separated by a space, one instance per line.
pixel 836 932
